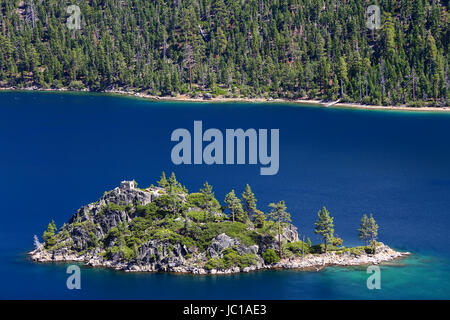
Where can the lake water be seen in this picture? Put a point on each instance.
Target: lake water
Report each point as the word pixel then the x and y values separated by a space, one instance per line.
pixel 61 151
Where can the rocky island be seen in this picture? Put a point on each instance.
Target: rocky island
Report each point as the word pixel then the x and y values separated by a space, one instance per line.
pixel 166 228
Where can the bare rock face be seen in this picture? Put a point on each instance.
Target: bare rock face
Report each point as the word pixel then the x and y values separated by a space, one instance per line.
pixel 80 237
pixel 254 249
pixel 111 210
pixel 128 194
pixel 112 219
pixel 290 233
pixel 220 243
pixel 160 253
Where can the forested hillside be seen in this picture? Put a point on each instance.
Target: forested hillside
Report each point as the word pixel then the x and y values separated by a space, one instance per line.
pixel 315 49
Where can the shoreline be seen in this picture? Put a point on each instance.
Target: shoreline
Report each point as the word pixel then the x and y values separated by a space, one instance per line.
pixel 186 98
pixel 169 251
pixel 311 262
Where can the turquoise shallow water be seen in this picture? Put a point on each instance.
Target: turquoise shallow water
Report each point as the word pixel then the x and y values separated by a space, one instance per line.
pixel 60 151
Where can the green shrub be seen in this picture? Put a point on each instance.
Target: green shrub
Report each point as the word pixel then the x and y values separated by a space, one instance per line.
pixel 165 234
pixel 204 234
pixel 112 233
pixel 149 211
pixel 247 260
pixel 197 200
pixel 117 234
pixel 296 247
pixel 173 225
pixel 317 248
pixel 270 228
pixel 125 252
pixel 139 225
pixel 214 263
pixel 320 248
pixel 216 91
pixel 186 241
pixel 133 242
pixel 63 235
pixel 270 256
pixel 356 250
pixel 337 242
pixel 197 216
pixel 164 204
pixel 93 241
pixel 76 85
pixel 231 258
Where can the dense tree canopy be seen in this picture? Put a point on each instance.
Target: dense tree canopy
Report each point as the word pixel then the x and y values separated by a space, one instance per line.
pixel 254 48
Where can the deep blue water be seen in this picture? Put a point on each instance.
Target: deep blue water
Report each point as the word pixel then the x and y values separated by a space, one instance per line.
pixel 61 151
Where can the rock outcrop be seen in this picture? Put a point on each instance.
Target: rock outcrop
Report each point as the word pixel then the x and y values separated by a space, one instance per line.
pixel 383 254
pixel 220 243
pixel 144 230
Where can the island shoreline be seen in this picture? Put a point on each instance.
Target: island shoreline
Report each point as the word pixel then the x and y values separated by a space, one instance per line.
pixel 185 98
pixel 310 263
pixel 103 233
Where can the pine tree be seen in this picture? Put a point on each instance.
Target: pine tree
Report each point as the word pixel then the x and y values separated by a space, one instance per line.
pixel 259 219
pixel 173 181
pixel 249 201
pixel 308 242
pixel 208 194
pixel 233 204
pixel 342 74
pixel 372 229
pixel 173 189
pixel 325 226
pixel 163 181
pixel 265 49
pixel 364 229
pixel 49 235
pixel 279 215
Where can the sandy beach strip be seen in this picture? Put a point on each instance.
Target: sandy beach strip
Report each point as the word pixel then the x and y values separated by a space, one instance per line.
pixel 186 98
